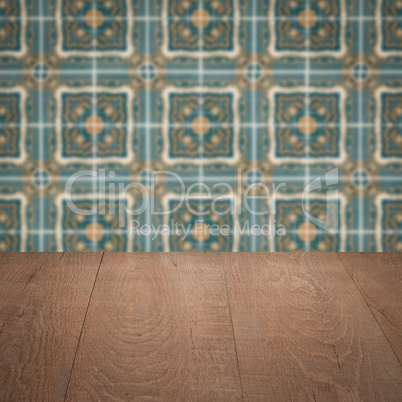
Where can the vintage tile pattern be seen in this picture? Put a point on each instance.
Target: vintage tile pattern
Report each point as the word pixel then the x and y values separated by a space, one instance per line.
pixel 80 127
pixel 84 27
pixel 320 130
pixel 11 132
pixel 79 232
pixel 211 30
pixel 283 90
pixel 200 238
pixel 316 26
pixel 300 231
pixel 12 27
pixel 203 128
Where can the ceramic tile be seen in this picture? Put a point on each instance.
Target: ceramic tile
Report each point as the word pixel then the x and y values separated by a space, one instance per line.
pixel 279 93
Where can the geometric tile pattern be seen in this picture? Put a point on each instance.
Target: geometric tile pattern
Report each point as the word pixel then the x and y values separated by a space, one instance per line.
pixel 209 125
pixel 317 26
pixel 108 128
pixel 320 129
pixel 253 97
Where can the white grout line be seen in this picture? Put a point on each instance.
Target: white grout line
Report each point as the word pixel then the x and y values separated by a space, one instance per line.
pixel 40 126
pixel 240 18
pixel 212 71
pixel 292 178
pixel 147 114
pixel 254 140
pixel 229 177
pixel 361 132
pixel 212 125
pixel 122 231
pixel 307 113
pixel 94 126
pixel 200 242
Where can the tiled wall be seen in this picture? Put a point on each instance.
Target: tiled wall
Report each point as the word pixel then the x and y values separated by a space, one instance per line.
pixel 240 92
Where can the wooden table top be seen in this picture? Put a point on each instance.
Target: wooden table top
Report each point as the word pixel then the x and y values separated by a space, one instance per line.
pixel 201 326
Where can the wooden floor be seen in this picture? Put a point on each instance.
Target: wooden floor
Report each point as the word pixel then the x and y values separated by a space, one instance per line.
pixel 179 326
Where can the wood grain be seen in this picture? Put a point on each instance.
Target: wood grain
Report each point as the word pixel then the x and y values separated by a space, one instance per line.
pixel 179 326
pixel 304 332
pixel 158 328
pixel 379 278
pixel 43 308
pixel 16 270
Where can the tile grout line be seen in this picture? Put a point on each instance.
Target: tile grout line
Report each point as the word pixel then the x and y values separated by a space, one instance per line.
pixel 213 72
pixel 41 129
pixel 234 179
pixel 94 230
pixel 122 231
pixel 212 18
pixel 360 138
pixel 83 323
pixel 147 115
pixel 254 113
pixel 200 241
pixel 233 333
pixel 213 125
pixel 307 122
pixel 368 306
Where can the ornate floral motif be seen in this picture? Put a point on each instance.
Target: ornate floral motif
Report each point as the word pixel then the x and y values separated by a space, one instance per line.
pixel 85 28
pixel 11 129
pixel 361 71
pixel 297 125
pixel 391 27
pixel 254 71
pixel 110 124
pixel 11 224
pixel 391 221
pixel 211 29
pixel 317 28
pixel 360 178
pixel 300 231
pixel 200 236
pixel 11 27
pixel 390 130
pixel 41 72
pixel 201 123
pixel 41 177
pixel 104 231
pixel 148 72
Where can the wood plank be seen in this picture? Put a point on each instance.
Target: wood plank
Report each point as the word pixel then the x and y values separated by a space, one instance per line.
pixel 37 345
pixel 16 270
pixel 304 332
pixel 17 267
pixel 158 327
pixel 379 278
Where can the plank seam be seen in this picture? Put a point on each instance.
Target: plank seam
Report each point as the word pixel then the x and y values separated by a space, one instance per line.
pixel 36 270
pixel 233 334
pixel 82 327
pixel 371 311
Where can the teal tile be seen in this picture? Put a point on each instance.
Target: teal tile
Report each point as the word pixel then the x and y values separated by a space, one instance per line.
pixel 279 93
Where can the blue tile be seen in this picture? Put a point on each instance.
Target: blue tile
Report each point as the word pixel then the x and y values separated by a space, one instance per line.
pixel 279 93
